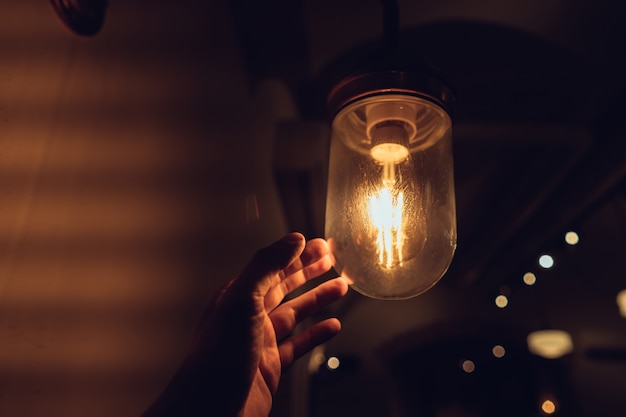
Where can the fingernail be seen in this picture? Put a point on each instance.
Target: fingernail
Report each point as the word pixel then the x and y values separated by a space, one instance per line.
pixel 293 239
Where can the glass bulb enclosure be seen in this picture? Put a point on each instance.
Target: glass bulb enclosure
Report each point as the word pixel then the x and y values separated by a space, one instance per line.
pixel 390 210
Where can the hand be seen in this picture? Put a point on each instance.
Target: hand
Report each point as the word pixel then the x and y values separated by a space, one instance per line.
pixel 245 340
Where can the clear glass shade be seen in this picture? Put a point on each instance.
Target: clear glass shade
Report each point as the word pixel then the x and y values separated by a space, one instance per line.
pixel 390 211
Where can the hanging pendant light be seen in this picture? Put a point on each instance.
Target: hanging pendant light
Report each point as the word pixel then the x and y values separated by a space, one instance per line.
pixel 390 208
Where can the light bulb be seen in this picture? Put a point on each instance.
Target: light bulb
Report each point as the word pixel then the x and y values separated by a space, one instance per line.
pixel 390 213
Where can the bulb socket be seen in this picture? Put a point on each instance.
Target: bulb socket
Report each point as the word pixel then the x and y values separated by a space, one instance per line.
pixel 390 141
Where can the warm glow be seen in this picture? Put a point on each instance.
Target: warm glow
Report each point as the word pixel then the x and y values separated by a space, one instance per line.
pixel 332 363
pixel 571 238
pixel 468 366
pixel 530 278
pixel 546 261
pixel 621 302
pixel 550 344
pixel 393 153
pixel 502 301
pixel 548 407
pixel 385 209
pixel 498 351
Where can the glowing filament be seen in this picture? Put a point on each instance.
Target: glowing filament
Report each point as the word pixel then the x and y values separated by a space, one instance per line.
pixel 385 211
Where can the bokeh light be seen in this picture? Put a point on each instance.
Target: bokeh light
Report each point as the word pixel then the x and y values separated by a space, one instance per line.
pixel 468 366
pixel 572 238
pixel 498 351
pixel 548 407
pixel 502 301
pixel 546 261
pixel 621 302
pixel 332 363
pixel 550 344
pixel 317 358
pixel 530 278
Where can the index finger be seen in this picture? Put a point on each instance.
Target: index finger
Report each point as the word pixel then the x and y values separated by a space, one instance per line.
pixel 312 262
pixel 266 267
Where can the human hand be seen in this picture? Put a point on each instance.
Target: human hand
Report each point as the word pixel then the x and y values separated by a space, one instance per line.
pixel 245 340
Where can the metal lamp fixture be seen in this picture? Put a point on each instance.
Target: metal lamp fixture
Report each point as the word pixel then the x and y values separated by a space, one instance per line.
pixel 390 210
pixel 83 17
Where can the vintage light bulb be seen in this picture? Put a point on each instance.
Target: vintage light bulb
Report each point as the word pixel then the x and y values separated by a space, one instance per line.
pixel 390 213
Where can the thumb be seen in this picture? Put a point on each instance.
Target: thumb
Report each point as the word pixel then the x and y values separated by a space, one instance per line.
pixel 264 270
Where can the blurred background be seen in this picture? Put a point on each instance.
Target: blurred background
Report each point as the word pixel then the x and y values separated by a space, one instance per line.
pixel 141 167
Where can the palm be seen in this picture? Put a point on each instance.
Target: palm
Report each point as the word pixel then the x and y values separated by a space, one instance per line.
pixel 266 375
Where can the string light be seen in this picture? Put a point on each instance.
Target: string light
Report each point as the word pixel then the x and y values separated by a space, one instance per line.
pixel 468 366
pixel 546 261
pixel 572 238
pixel 529 278
pixel 498 351
pixel 502 301
pixel 332 363
pixel 548 407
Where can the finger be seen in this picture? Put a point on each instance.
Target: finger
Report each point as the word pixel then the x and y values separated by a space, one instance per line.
pixel 294 347
pixel 259 275
pixel 314 250
pixel 313 262
pixel 286 317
